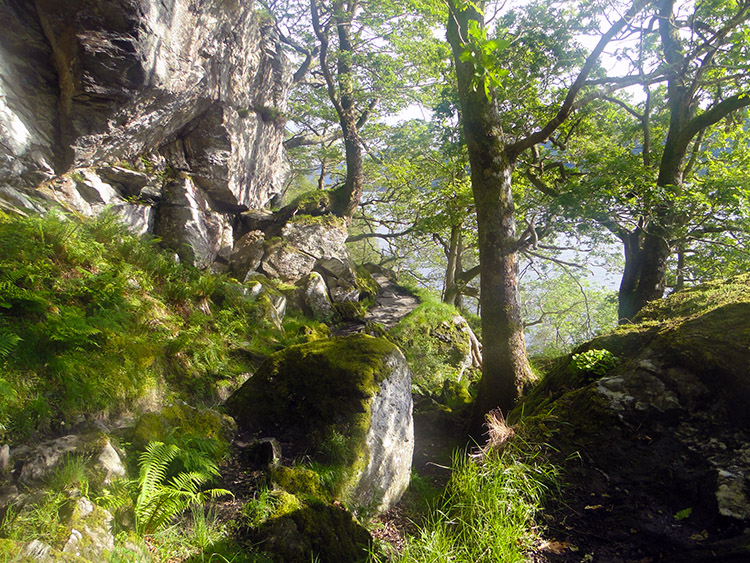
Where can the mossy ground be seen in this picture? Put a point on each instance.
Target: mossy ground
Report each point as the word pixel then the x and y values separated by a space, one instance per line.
pixel 631 474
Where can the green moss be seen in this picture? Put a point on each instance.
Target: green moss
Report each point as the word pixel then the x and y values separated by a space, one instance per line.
pixel 300 481
pixel 368 287
pixel 350 310
pixel 315 531
pixel 434 345
pixel 323 220
pixel 285 503
pixel 11 552
pixel 312 203
pixel 455 395
pixel 188 422
pixel 315 391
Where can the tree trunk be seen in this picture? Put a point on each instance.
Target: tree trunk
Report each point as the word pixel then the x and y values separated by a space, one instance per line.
pixel 450 293
pixel 349 195
pixel 505 368
pixel 644 277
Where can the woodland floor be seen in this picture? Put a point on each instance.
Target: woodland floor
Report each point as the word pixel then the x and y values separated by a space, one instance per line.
pixel 591 520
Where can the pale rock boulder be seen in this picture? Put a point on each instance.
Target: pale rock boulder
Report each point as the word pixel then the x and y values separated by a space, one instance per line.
pixel 35 463
pixel 315 297
pixel 355 388
pixel 247 254
pixel 187 225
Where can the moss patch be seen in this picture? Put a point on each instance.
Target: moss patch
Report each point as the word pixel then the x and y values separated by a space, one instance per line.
pixel 315 531
pixel 313 202
pixel 317 396
pixel 299 481
pixel 434 345
pixel 186 421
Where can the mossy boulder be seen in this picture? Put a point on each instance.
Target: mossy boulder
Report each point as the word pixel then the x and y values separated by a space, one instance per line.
pixel 343 401
pixel 187 421
pixel 656 415
pixel 439 345
pixel 90 531
pixel 314 531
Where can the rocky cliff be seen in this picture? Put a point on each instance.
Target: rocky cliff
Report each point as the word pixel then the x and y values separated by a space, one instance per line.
pixel 168 111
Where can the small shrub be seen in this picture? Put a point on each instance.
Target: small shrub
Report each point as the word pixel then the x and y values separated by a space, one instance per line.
pixel 593 364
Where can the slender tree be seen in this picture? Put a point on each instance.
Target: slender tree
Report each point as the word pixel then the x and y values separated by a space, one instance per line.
pixel 493 154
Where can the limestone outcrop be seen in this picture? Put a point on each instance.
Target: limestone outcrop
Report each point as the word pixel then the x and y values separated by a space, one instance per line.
pixel 344 401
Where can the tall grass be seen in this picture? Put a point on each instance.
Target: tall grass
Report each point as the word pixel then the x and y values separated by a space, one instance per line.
pixel 489 508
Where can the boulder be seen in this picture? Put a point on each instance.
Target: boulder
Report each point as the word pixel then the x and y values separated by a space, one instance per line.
pixel 657 413
pixel 317 531
pixel 90 531
pixel 33 464
pixel 246 255
pixel 345 401
pixel 315 299
pixel 187 225
pixel 285 262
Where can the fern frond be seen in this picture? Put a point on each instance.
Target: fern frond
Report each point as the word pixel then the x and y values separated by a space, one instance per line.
pixel 154 463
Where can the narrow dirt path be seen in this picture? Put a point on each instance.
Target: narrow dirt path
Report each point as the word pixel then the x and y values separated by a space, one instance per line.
pixel 392 303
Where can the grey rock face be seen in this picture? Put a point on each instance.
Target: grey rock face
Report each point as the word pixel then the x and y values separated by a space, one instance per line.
pixel 390 441
pixel 84 82
pixel 187 225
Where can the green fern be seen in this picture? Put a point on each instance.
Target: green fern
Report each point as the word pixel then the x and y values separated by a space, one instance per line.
pixel 8 343
pixel 159 500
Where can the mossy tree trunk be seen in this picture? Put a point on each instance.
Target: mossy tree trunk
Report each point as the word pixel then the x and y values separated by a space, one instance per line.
pixel 492 157
pixel 505 366
pixel 346 198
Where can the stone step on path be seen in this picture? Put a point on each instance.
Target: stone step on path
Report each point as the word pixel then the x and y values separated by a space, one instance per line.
pixel 392 303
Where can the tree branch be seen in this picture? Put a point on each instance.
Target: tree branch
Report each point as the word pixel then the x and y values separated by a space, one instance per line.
pixel 568 104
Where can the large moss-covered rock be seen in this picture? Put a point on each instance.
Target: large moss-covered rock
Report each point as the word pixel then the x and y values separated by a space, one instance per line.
pixel 345 401
pixel 657 413
pixel 313 531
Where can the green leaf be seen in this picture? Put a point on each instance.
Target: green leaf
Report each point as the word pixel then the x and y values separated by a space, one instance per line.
pixel 683 514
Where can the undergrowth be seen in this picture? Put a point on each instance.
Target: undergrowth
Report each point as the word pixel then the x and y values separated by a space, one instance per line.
pixel 489 509
pixel 93 318
pixel 433 345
